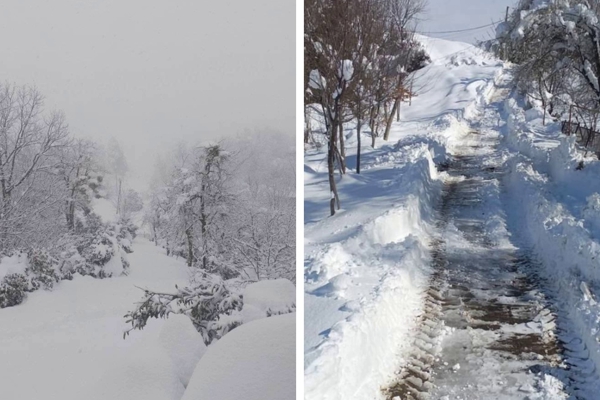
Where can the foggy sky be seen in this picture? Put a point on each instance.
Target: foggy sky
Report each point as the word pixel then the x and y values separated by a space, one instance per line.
pixel 153 72
pixel 449 15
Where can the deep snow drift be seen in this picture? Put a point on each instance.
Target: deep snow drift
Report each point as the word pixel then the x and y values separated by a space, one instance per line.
pixel 256 361
pixel 68 343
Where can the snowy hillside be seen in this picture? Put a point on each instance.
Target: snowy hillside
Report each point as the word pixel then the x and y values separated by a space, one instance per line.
pixel 462 260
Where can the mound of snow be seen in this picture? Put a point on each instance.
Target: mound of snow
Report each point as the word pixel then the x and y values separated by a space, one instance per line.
pixel 183 344
pixel 15 264
pixel 140 374
pixel 264 298
pixel 255 361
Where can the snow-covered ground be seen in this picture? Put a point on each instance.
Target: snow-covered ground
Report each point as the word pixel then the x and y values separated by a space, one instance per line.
pixel 68 343
pixel 368 268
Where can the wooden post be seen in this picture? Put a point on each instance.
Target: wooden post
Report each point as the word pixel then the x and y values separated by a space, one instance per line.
pixel 506 17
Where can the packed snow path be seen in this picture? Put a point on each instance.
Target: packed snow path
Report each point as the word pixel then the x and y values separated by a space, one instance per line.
pixel 489 330
pixel 68 343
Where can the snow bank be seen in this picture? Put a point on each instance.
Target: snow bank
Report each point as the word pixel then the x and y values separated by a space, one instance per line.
pixel 354 285
pixel 269 297
pixel 561 214
pixel 142 374
pixel 256 361
pixel 15 264
pixel 183 344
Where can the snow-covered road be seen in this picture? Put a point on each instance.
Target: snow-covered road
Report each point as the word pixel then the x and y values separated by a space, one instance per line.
pixel 489 331
pixel 67 344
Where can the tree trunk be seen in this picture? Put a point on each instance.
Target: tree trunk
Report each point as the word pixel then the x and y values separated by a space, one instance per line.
pixel 390 119
pixel 358 126
pixel 331 169
pixel 342 147
pixel 203 228
pixel 190 242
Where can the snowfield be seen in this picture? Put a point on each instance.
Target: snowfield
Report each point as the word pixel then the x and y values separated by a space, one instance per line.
pixel 68 343
pixel 369 270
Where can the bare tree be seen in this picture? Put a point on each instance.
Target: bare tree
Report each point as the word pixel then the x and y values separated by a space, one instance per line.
pixel 28 141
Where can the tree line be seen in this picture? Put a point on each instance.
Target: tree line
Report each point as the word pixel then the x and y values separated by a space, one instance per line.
pixel 48 182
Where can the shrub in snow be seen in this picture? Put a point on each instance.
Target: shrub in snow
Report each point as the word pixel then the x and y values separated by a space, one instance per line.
pixel 38 269
pixel 125 233
pixel 101 248
pixel 212 306
pixel 12 290
pixel 41 269
pixel 97 249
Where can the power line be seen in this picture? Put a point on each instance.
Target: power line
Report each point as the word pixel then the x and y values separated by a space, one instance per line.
pixel 459 30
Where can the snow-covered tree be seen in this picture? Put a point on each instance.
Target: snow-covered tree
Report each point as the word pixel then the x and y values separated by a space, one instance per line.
pixel 48 181
pixel 29 140
pixel 555 44
pixel 357 56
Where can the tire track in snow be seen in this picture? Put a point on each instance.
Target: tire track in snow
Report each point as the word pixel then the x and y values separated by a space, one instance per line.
pixel 488 330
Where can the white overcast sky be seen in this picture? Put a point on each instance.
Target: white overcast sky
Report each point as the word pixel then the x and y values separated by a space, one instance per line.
pixel 450 15
pixel 153 72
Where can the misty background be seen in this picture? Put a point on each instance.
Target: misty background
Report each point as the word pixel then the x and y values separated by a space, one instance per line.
pixel 154 73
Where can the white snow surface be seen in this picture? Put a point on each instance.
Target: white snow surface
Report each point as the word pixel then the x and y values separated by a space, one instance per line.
pixel 68 343
pixel 105 209
pixel 276 296
pixel 255 361
pixel 183 344
pixel 15 264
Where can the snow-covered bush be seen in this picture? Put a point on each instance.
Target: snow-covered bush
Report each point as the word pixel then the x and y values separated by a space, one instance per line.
pixel 216 306
pixel 97 249
pixel 42 270
pixel 30 271
pixel 211 304
pixel 13 288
